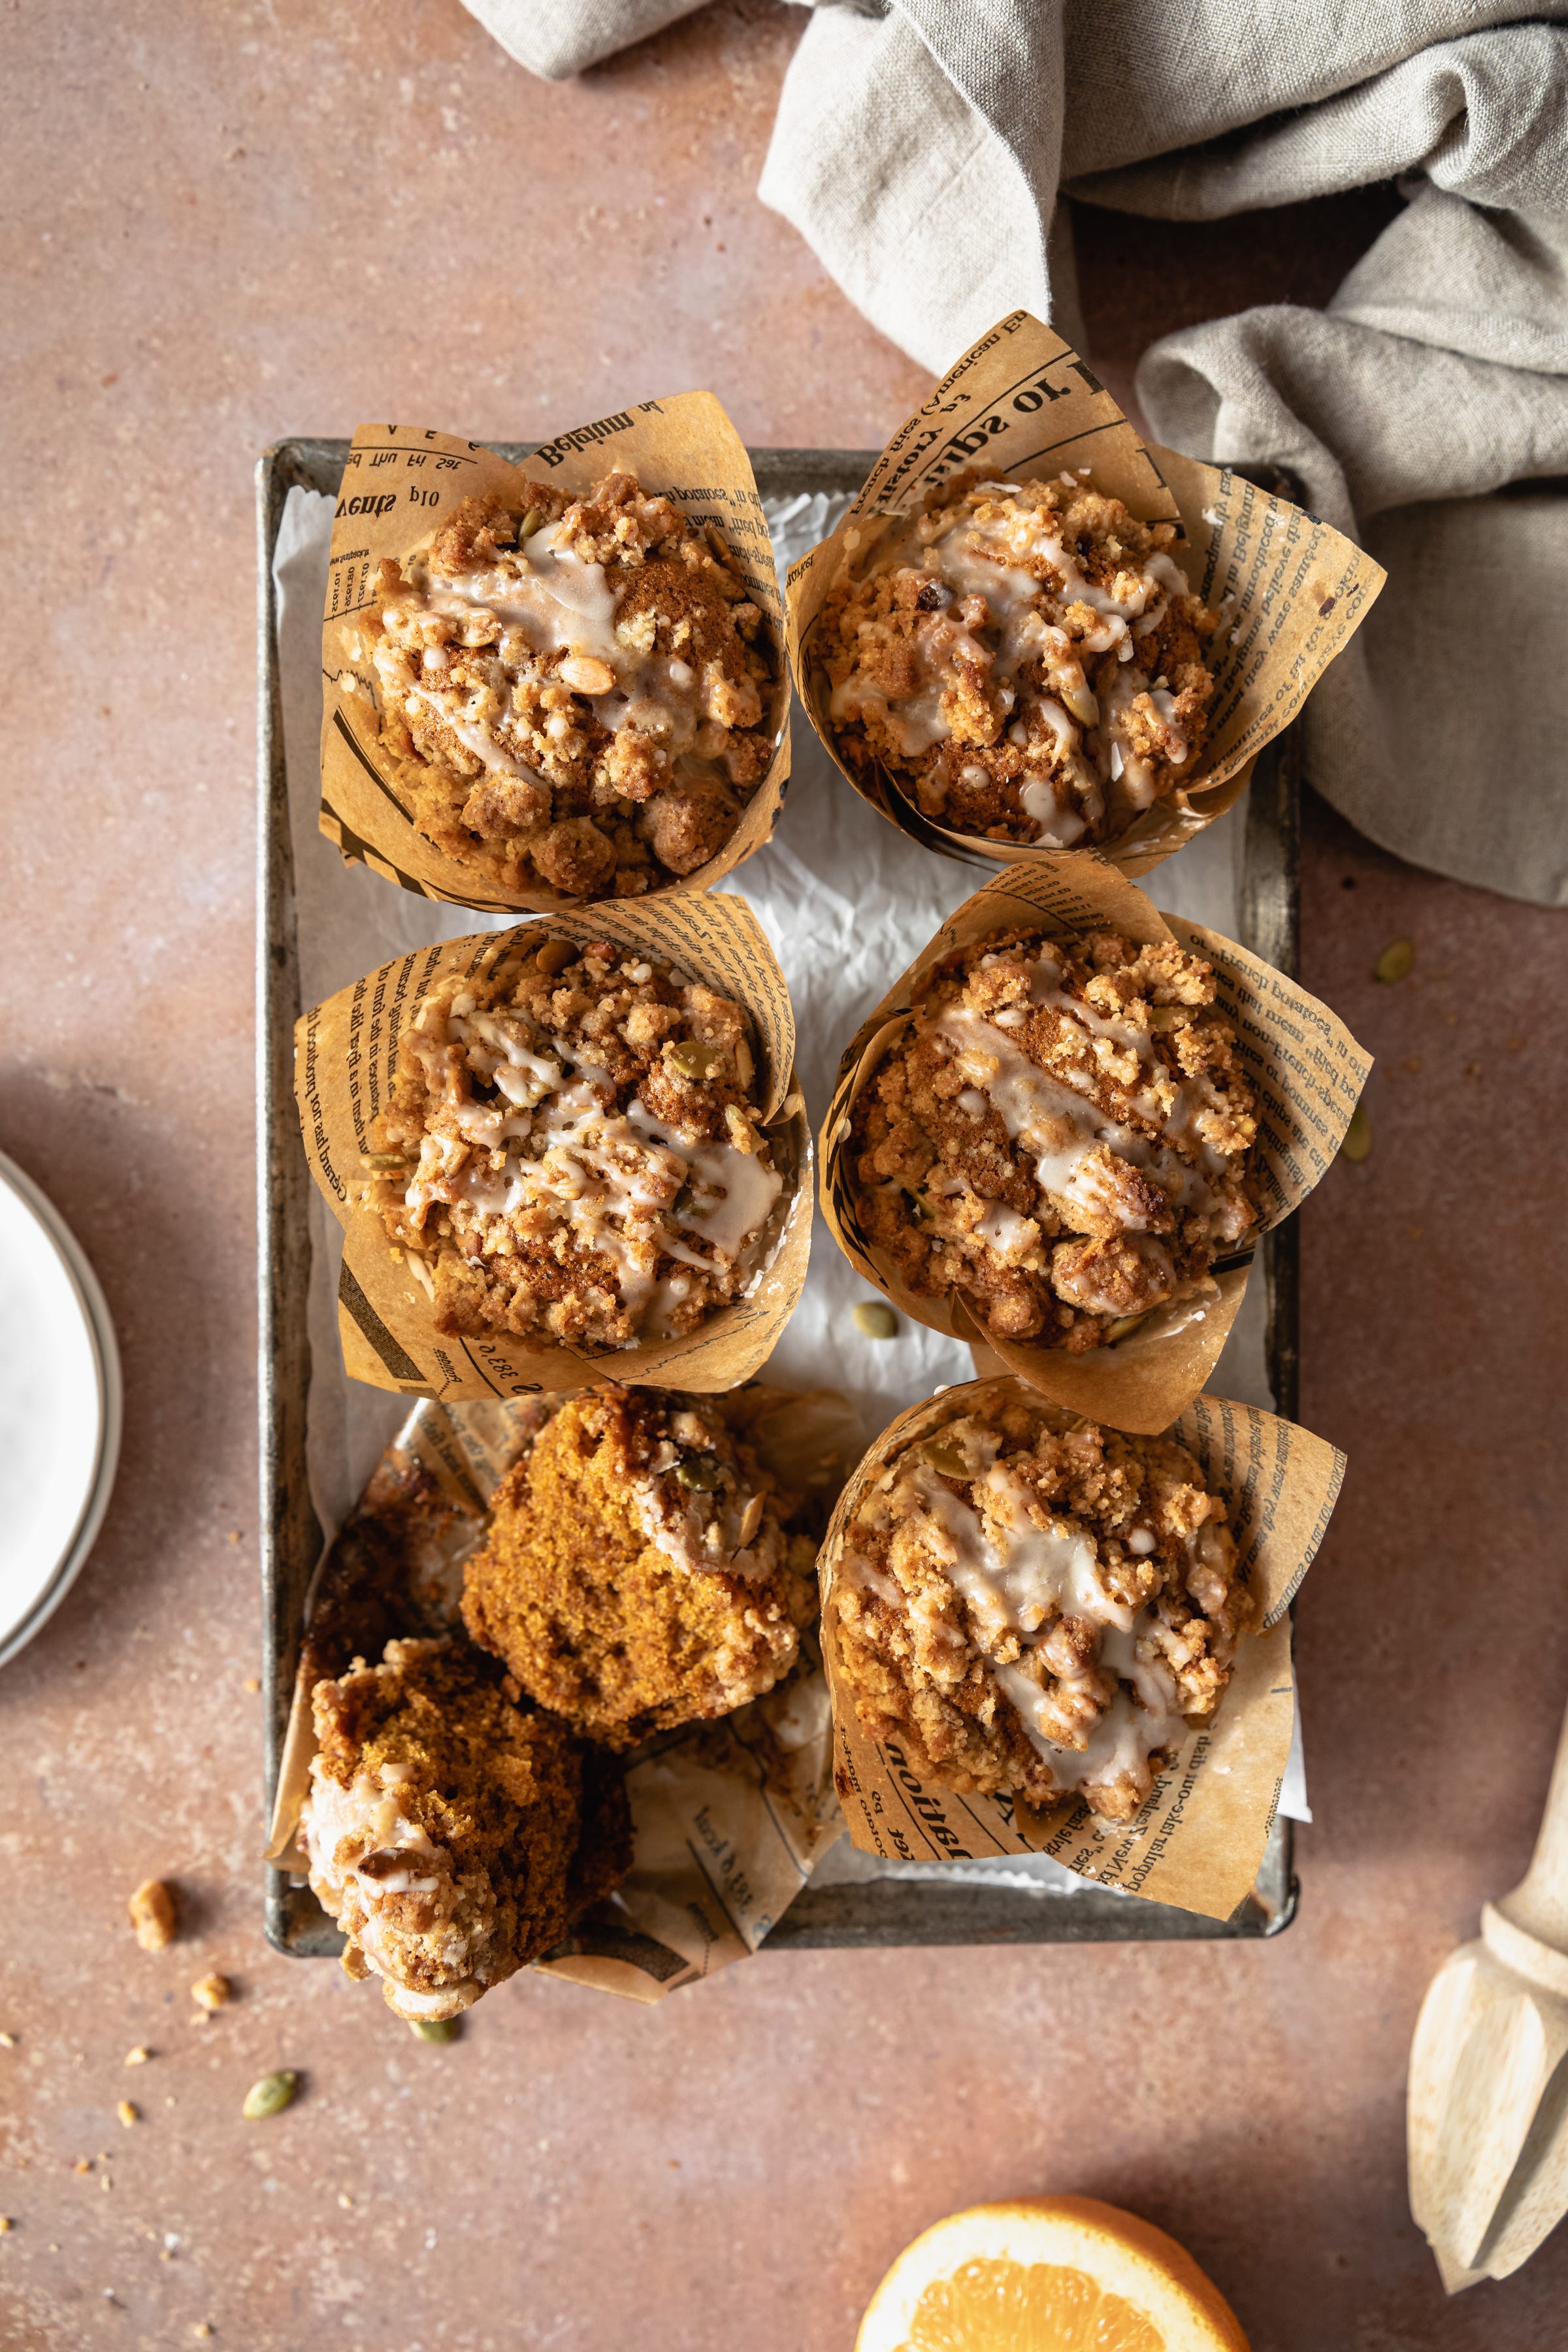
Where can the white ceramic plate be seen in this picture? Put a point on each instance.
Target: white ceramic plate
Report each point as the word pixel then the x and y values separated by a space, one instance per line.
pixel 59 1408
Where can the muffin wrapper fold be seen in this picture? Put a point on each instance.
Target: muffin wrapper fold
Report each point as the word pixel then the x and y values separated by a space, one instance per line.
pixel 729 1818
pixel 400 485
pixel 1022 402
pixel 1306 1069
pixel 1200 1836
pixel 345 1057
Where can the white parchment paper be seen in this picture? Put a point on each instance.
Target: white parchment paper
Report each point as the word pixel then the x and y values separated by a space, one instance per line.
pixel 847 902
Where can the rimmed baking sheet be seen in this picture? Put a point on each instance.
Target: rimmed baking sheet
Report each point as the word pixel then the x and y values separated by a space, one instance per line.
pixel 852 1899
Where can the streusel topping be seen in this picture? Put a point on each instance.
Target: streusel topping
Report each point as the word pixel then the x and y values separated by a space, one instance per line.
pixel 575 1150
pixel 1037 1613
pixel 580 691
pixel 1062 1134
pixel 1024 659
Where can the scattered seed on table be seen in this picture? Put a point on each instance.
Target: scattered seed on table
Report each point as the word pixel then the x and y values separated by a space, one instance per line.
pixel 1396 962
pixel 875 1320
pixel 270 2095
pixel 1358 1135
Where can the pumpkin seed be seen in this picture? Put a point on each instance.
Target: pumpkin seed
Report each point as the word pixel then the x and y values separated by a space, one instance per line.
pixel 436 2029
pixel 946 1459
pixel 1124 1326
pixel 554 956
pixel 876 1321
pixel 1358 1135
pixel 531 521
pixel 699 1474
pixel 1396 962
pixel 696 1062
pixel 386 1160
pixel 270 2095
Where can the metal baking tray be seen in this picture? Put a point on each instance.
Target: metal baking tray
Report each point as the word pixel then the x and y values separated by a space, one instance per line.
pixel 872 1912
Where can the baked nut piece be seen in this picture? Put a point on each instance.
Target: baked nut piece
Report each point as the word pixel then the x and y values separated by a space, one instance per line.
pixel 579 691
pixel 443 1825
pixel 1038 1613
pixel 1024 659
pixel 1062 1134
pixel 640 1572
pixel 573 1148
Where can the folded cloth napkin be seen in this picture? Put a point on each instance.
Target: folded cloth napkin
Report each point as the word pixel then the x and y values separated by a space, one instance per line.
pixel 1437 375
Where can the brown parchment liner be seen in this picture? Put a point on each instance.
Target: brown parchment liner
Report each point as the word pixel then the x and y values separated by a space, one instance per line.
pixel 1306 1069
pixel 400 484
pixel 730 1818
pixel 1199 1839
pixel 346 1056
pixel 1022 401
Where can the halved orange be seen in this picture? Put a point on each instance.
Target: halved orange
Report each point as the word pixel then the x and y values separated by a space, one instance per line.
pixel 1048 2274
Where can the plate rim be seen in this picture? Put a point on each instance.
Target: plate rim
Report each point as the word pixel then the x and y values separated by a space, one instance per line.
pixel 105 1347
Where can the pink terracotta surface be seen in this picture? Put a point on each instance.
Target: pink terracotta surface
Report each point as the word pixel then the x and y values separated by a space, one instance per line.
pixel 226 225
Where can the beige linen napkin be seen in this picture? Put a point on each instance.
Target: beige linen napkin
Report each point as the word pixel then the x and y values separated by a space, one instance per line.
pixel 919 148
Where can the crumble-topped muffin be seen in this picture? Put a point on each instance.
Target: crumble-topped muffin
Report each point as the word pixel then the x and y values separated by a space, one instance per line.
pixel 640 1572
pixel 579 690
pixel 574 1149
pixel 1036 1612
pixel 1061 1133
pixel 1024 659
pixel 449 1830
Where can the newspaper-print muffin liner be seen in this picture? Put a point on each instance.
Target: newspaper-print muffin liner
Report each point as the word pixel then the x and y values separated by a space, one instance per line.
pixel 1199 1838
pixel 1307 1072
pixel 1294 591
pixel 729 1818
pixel 345 1056
pixel 400 484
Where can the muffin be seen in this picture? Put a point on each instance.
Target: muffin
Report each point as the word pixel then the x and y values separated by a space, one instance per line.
pixel 578 691
pixel 641 1569
pixel 1024 659
pixel 574 1149
pixel 1062 1134
pixel 1037 1613
pixel 450 1832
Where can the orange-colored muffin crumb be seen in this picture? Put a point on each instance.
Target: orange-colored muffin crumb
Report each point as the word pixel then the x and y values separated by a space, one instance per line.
pixel 444 1825
pixel 640 1572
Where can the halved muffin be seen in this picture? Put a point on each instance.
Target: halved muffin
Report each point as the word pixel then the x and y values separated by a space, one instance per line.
pixel 451 1832
pixel 641 1571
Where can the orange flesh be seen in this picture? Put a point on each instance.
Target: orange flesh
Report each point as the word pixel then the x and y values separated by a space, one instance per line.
pixel 1005 2307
